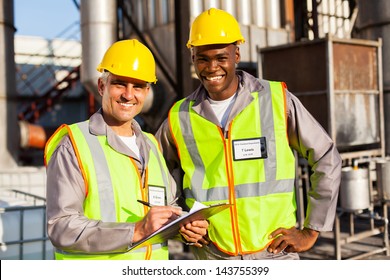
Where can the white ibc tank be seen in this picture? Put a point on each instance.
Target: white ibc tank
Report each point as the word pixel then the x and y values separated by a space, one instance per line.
pixel 22 227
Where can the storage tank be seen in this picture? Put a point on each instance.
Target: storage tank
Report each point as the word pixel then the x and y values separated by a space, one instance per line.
pixel 23 227
pixel 340 82
pixel 355 189
pixel 8 106
pixel 373 22
pixel 98 20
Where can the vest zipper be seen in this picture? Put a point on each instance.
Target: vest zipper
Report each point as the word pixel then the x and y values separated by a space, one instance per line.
pixel 143 188
pixel 232 197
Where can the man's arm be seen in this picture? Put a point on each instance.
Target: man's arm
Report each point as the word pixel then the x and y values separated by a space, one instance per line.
pixel 312 142
pixel 192 232
pixel 68 228
pixel 168 146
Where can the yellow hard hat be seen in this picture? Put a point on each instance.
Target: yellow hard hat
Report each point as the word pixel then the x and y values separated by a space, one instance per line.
pixel 129 58
pixel 214 26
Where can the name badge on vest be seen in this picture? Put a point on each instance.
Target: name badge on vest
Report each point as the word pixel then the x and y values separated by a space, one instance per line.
pixel 157 195
pixel 253 148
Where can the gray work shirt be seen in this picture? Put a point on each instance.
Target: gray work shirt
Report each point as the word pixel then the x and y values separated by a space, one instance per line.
pixel 68 228
pixel 305 136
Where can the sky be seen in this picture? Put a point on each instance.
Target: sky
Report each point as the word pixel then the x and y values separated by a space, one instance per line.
pixel 46 18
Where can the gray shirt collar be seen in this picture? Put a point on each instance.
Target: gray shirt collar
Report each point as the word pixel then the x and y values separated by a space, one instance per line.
pixel 247 85
pixel 98 127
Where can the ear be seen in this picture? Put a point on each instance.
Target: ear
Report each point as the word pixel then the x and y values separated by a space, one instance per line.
pixel 101 86
pixel 147 90
pixel 237 55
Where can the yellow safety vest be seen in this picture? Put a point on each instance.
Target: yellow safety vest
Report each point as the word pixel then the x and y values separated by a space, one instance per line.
pixel 102 168
pixel 253 169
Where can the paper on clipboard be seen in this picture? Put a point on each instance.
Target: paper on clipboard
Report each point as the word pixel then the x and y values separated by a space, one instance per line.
pixel 170 230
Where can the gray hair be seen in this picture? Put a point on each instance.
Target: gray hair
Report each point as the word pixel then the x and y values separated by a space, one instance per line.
pixel 104 76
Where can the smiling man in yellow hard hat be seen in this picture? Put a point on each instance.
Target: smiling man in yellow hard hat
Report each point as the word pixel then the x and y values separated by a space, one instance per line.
pixel 98 169
pixel 233 137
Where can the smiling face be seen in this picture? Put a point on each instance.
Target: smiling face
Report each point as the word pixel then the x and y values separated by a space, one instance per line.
pixel 122 99
pixel 215 66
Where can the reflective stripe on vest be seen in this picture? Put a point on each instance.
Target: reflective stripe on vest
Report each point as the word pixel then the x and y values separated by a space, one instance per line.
pixel 262 190
pixel 102 168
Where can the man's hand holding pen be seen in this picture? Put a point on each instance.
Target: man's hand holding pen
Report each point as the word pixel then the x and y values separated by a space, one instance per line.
pixel 194 232
pixel 156 217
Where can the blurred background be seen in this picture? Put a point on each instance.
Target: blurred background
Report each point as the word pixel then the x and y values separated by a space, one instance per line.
pixel 334 56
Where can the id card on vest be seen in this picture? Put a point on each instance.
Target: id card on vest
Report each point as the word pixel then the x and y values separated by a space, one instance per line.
pixel 253 148
pixel 157 195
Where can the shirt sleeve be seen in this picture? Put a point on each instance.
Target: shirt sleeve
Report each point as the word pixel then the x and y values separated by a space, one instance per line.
pixel 68 228
pixel 169 150
pixel 168 147
pixel 311 141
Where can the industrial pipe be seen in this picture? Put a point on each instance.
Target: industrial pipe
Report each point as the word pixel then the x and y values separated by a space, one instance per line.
pixel 32 136
pixel 8 106
pixel 98 31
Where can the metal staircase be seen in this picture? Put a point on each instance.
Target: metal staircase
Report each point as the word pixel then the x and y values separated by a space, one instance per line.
pixel 44 102
pixel 48 74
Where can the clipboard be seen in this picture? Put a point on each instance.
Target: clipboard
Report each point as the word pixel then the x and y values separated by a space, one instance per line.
pixel 170 230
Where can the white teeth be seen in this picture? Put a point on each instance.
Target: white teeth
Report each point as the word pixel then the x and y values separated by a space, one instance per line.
pixel 126 104
pixel 216 78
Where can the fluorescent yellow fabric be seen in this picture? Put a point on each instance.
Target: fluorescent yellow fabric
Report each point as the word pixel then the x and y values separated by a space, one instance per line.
pixel 261 202
pixel 128 187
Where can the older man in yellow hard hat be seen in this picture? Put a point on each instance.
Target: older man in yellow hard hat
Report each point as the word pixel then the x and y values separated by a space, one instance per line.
pixel 98 169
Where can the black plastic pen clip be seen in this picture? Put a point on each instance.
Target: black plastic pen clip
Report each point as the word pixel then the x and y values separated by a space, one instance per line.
pixel 144 203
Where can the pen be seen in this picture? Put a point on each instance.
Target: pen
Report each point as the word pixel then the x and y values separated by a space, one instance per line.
pixel 150 205
pixel 144 203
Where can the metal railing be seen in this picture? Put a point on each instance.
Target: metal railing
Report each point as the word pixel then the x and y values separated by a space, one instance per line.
pixel 20 235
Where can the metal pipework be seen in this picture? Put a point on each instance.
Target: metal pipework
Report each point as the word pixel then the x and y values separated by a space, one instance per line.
pixel 98 31
pixel 8 114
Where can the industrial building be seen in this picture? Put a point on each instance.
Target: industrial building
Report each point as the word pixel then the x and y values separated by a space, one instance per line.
pixel 334 55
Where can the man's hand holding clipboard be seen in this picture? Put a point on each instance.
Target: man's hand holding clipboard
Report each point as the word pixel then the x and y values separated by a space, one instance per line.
pixel 168 231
